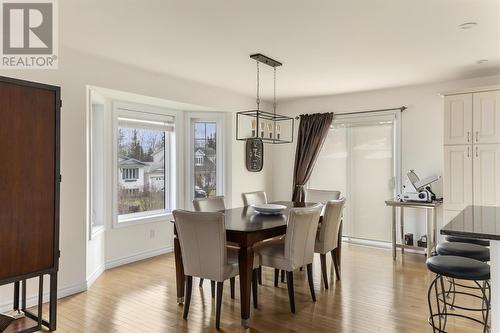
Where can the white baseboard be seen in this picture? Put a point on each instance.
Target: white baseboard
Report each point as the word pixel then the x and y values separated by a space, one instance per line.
pixel 374 243
pixel 92 277
pixel 136 257
pixel 61 292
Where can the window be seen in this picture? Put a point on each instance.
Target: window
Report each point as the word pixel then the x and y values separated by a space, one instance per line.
pixel 205 146
pixel 143 158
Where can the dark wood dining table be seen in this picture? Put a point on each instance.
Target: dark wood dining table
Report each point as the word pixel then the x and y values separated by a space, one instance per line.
pixel 245 227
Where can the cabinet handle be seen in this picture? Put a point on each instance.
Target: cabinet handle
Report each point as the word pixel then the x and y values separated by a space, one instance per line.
pixel 468 151
pixel 468 136
pixel 477 154
pixel 477 136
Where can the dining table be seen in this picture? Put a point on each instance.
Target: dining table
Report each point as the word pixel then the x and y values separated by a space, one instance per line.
pixel 245 227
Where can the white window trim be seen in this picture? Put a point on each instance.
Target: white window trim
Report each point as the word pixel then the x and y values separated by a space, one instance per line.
pixel 217 117
pixel 148 113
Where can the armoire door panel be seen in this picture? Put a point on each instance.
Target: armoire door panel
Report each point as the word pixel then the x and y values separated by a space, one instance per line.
pixel 457 182
pixel 486 117
pixel 486 175
pixel 27 179
pixel 458 119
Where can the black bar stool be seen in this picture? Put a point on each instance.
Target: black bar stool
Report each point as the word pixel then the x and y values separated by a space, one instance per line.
pixel 462 268
pixel 467 240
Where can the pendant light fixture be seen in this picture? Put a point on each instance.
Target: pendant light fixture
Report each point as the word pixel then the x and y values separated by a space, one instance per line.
pixel 269 127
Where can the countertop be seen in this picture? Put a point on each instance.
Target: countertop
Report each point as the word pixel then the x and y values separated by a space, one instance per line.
pixel 481 222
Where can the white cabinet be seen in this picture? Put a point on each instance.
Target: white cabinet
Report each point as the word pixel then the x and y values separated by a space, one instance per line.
pixel 486 178
pixel 458 119
pixel 457 180
pixel 486 117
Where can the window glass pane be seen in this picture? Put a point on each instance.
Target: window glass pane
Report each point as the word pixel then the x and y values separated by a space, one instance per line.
pixel 205 164
pixel 141 170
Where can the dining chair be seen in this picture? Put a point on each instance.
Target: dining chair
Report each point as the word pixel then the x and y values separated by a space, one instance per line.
pixel 211 204
pixel 295 250
pixel 253 198
pixel 322 196
pixel 328 237
pixel 202 237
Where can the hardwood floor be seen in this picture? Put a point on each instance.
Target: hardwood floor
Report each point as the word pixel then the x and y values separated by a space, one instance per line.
pixel 375 295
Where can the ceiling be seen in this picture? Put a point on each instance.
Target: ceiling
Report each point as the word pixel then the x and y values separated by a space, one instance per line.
pixel 327 47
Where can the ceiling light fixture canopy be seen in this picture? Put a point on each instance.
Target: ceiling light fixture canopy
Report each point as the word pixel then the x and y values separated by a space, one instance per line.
pixel 270 127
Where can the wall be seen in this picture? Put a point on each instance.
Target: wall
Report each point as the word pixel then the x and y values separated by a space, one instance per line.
pixel 422 129
pixel 76 71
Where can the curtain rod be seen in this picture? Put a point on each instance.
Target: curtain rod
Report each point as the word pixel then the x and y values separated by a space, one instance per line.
pixel 401 108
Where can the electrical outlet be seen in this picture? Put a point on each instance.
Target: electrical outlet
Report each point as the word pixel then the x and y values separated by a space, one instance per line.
pixel 152 233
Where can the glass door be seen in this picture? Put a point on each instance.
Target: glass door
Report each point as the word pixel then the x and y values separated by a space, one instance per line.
pixel 360 158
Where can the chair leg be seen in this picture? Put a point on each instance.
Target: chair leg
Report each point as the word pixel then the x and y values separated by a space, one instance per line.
pixel 310 280
pixel 260 275
pixel 336 261
pixel 282 276
pixel 220 286
pixel 291 294
pixel 301 269
pixel 276 276
pixel 255 278
pixel 322 258
pixel 201 283
pixel 231 285
pixel 187 300
pixel 212 285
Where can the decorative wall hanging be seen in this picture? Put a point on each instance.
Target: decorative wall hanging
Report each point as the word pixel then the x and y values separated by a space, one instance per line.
pixel 270 127
pixel 254 155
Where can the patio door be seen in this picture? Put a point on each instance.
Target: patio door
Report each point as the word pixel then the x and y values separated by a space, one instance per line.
pixel 361 159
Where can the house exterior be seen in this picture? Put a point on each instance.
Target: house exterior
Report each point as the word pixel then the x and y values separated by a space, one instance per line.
pixel 135 176
pixel 205 170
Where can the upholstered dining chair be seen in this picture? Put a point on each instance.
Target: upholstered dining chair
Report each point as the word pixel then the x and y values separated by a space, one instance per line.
pixel 212 204
pixel 253 198
pixel 328 235
pixel 322 196
pixel 295 250
pixel 202 237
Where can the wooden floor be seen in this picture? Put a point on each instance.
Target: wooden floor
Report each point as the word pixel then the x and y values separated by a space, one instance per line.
pixel 375 295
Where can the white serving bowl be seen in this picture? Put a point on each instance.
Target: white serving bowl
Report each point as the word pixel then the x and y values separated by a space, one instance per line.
pixel 268 209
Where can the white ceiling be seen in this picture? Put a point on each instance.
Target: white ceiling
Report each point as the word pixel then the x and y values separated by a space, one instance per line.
pixel 327 47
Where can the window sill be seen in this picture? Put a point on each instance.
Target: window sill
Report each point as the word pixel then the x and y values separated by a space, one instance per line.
pixel 127 222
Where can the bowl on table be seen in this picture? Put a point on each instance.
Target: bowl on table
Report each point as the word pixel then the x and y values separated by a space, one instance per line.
pixel 269 209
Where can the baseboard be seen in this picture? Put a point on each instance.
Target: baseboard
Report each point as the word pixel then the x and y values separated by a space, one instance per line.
pixel 137 256
pixel 93 277
pixel 33 300
pixel 367 242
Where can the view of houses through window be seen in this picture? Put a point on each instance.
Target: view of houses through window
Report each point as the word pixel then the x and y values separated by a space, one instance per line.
pixel 205 162
pixel 141 164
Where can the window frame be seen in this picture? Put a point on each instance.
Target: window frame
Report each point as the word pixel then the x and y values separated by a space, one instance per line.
pixel 147 113
pixel 218 118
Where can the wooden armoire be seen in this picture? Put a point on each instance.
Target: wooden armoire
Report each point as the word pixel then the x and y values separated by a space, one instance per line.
pixel 29 191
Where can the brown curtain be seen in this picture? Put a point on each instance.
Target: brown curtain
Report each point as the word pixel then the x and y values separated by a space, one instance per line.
pixel 313 130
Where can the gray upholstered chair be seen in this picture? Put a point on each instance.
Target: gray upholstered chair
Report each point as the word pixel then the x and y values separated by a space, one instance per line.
pixel 252 198
pixel 295 250
pixel 322 196
pixel 328 238
pixel 210 204
pixel 202 237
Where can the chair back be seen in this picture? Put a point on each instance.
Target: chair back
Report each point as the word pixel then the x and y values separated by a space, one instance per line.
pixel 202 236
pixel 321 195
pixel 301 234
pixel 253 198
pixel 328 234
pixel 212 204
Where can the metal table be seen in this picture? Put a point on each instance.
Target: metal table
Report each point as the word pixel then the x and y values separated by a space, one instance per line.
pixel 430 221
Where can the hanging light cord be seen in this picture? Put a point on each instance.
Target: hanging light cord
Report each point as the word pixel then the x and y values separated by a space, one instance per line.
pixel 258 86
pixel 274 97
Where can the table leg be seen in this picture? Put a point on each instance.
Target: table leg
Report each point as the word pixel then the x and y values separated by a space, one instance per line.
pixel 179 271
pixel 393 233
pixel 428 226
pixel 402 224
pixel 246 267
pixel 434 228
pixel 16 296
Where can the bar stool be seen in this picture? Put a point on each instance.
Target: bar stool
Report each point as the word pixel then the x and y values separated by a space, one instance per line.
pixel 462 268
pixel 467 240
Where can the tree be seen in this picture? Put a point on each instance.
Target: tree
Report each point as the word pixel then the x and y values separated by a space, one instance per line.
pixel 136 151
